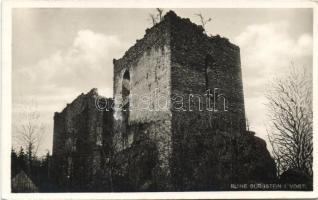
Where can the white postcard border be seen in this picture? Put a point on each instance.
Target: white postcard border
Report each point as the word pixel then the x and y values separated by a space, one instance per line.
pixel 6 96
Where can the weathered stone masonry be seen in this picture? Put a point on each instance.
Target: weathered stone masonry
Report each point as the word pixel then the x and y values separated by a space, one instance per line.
pixel 82 136
pixel 171 149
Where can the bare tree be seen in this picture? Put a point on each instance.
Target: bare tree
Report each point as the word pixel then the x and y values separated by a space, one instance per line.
pixel 203 21
pixel 160 12
pixel 248 124
pixel 156 18
pixel 153 18
pixel 290 128
pixel 29 130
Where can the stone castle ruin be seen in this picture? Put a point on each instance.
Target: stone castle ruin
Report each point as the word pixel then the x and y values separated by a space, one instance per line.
pixel 176 121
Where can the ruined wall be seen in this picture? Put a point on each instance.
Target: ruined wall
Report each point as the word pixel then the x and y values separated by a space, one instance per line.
pixel 148 64
pixel 81 142
pixel 198 148
pixel 158 138
pixel 200 63
pixel 206 135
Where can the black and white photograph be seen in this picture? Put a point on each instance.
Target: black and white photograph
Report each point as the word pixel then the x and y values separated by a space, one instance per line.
pixel 151 98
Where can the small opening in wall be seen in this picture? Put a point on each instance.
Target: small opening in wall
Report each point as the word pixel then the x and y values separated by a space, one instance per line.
pixel 125 108
pixel 209 61
pixel 126 87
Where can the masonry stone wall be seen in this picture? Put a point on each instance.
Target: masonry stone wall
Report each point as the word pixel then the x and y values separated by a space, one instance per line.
pixel 81 141
pixel 200 63
pixel 148 63
pixel 162 133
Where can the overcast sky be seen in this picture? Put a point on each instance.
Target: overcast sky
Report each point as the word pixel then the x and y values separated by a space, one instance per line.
pixel 59 53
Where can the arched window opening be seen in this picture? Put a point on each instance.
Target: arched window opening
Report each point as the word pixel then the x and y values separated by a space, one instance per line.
pixel 127 137
pixel 209 61
pixel 126 88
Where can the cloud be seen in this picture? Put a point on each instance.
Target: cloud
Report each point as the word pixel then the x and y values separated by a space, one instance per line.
pixel 87 63
pixel 267 51
pixel 62 76
pixel 269 48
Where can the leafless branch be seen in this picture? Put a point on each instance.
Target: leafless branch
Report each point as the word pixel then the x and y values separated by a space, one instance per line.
pixel 290 113
pixel 153 18
pixel 203 21
pixel 156 18
pixel 160 12
pixel 29 129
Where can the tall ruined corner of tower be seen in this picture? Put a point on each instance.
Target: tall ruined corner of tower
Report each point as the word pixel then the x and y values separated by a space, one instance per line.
pixel 223 41
pixel 156 35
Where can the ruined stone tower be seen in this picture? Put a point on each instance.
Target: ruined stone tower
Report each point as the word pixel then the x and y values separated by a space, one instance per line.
pixel 175 59
pixel 178 117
